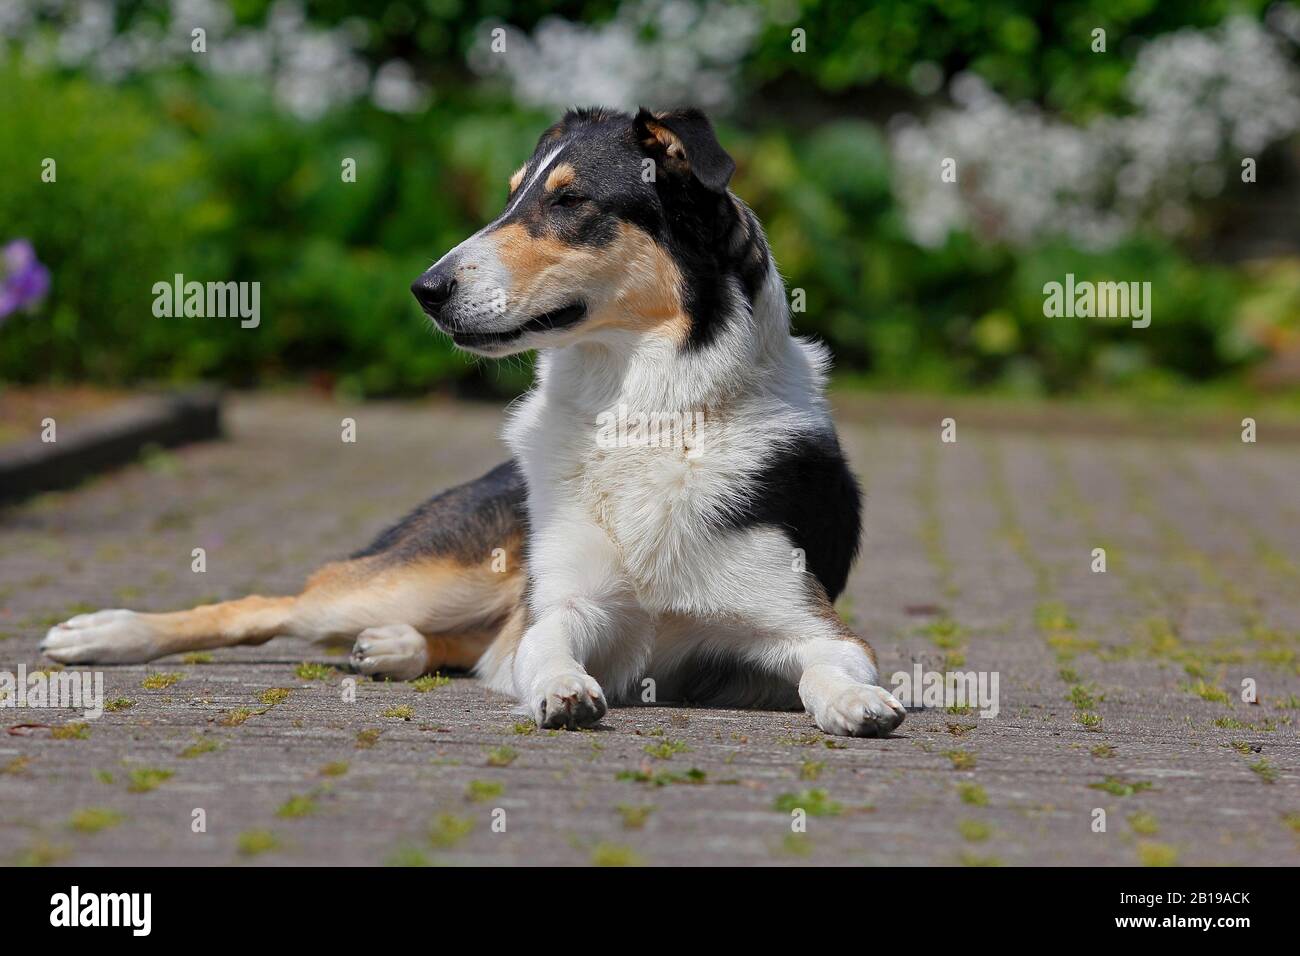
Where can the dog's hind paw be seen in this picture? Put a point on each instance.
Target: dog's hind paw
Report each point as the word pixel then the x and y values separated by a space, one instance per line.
pixel 398 651
pixel 105 637
pixel 862 710
pixel 568 701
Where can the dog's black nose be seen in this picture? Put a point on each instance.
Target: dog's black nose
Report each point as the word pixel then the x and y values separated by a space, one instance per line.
pixel 433 289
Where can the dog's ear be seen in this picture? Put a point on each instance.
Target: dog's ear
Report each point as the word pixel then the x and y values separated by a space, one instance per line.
pixel 682 143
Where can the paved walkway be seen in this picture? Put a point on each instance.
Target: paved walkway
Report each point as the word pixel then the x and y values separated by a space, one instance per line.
pixel 1118 691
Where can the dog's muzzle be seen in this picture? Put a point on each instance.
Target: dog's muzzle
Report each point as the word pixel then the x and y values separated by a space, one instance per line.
pixel 435 290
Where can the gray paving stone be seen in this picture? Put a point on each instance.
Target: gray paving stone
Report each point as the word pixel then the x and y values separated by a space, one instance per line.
pixel 976 554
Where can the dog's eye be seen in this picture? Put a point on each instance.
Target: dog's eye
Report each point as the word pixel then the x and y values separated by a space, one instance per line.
pixel 568 200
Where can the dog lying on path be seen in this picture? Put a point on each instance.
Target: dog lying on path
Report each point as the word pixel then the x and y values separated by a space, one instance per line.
pixel 677 517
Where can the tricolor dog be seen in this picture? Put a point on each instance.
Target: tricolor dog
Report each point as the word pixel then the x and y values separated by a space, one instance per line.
pixel 595 559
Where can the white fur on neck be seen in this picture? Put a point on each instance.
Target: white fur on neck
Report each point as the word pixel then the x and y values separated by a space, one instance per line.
pixel 753 356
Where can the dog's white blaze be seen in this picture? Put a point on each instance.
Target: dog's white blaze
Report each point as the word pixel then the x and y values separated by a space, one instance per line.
pixel 544 165
pixel 473 243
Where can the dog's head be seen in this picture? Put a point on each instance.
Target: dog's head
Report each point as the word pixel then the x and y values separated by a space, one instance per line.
pixel 617 223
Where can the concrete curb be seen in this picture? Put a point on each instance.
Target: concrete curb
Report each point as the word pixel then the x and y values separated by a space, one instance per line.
pixel 114 439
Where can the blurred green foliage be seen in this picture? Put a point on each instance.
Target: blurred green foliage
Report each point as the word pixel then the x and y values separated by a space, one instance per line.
pixel 964 314
pixel 149 189
pixel 100 225
pixel 1026 49
pixel 204 176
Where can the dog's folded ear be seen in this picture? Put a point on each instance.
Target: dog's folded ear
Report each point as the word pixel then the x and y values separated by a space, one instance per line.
pixel 682 143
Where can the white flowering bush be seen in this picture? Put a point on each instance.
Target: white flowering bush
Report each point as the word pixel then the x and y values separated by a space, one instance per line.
pixel 1201 101
pixel 309 68
pixel 234 160
pixel 652 51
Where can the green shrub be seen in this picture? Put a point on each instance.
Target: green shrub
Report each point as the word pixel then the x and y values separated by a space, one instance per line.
pixel 191 173
pixel 127 199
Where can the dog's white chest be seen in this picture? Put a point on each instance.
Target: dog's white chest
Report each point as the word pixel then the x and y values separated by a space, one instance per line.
pixel 657 489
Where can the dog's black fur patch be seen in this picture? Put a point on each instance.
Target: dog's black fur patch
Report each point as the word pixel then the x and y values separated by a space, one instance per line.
pixel 807 490
pixel 465 522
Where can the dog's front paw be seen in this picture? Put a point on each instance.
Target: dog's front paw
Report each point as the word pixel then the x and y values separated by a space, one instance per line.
pixel 569 701
pixel 105 637
pixel 398 651
pixel 863 710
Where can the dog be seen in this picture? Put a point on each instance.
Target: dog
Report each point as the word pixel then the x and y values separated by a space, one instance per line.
pixel 599 564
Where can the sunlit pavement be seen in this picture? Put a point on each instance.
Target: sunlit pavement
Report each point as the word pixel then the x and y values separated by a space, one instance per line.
pixel 1118 691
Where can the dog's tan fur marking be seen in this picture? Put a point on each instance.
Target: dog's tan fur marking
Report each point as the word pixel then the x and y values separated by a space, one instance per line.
pixel 666 142
pixel 250 620
pixel 644 281
pixel 460 651
pixel 517 178
pixel 460 609
pixel 562 175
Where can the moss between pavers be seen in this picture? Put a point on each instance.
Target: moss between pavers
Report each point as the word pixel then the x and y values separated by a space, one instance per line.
pixel 447 830
pixel 815 803
pixel 145 779
pixel 480 790
pixel 298 805
pixel 613 854
pixel 94 819
pixel 161 680
pixel 256 842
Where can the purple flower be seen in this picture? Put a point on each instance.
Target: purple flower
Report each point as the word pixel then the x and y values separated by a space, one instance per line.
pixel 25 280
